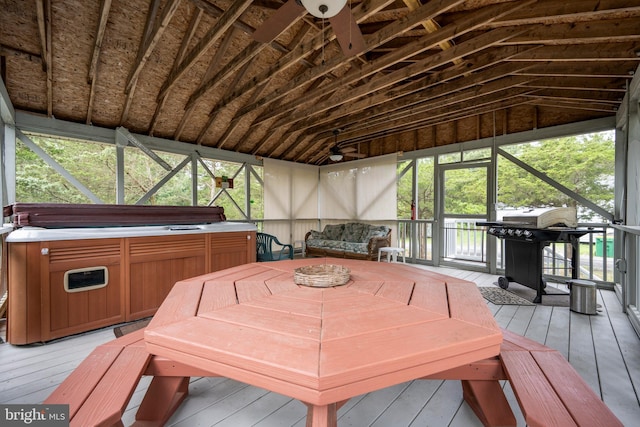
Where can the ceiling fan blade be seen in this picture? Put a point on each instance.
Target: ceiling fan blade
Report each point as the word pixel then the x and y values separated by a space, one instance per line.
pixel 281 19
pixel 348 149
pixel 347 32
pixel 355 155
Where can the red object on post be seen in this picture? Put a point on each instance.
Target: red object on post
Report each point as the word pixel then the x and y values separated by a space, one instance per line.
pixel 413 210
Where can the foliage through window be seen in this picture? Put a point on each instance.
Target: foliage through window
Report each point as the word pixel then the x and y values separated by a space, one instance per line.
pixel 94 166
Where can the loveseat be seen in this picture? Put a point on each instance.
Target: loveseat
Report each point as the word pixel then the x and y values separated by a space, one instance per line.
pixel 351 240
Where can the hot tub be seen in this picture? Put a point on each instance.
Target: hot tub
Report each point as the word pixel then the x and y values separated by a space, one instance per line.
pixel 63 281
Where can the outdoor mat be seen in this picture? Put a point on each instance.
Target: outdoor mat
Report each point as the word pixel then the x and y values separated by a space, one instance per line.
pixel 517 294
pixel 499 296
pixel 121 330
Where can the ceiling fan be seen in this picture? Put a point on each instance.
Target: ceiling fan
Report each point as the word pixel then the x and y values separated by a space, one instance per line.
pixel 337 11
pixel 336 153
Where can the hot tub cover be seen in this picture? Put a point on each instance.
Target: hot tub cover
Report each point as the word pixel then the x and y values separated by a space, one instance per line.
pixel 60 215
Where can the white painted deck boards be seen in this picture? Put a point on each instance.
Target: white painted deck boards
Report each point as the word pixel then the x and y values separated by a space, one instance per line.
pixel 603 348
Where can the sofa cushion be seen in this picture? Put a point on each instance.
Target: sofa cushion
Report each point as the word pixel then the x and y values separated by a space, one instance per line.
pixel 355 232
pixel 358 248
pixel 376 231
pixel 338 245
pixel 333 232
pixel 316 235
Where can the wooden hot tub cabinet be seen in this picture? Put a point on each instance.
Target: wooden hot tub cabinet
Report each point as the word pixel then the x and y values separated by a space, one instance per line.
pixel 141 264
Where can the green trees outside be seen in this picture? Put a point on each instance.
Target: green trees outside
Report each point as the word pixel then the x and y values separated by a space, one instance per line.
pixel 584 164
pixel 94 166
pixel 426 190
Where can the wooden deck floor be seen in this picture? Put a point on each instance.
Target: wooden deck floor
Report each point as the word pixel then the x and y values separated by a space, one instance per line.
pixel 603 348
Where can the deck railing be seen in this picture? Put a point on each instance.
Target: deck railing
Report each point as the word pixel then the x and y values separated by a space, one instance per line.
pixel 466 242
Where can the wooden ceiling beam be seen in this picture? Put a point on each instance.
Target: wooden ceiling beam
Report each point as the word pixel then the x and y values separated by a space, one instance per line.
pixel 221 26
pixel 491 90
pixel 579 83
pixel 95 56
pixel 305 49
pixel 472 22
pixel 451 117
pixel 451 113
pixel 43 11
pixel 153 33
pixel 614 31
pixel 598 69
pixel 476 74
pixel 574 105
pixel 257 92
pixel 154 6
pixel 461 50
pixel 570 11
pixel 214 65
pixel 589 95
pixel 481 95
pixel 196 17
pixel 431 25
pixel 578 96
pixel 582 53
pixel 42 15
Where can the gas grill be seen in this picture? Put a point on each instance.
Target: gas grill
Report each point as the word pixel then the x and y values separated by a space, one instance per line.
pixel 526 236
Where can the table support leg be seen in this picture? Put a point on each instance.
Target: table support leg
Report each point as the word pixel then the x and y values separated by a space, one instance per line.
pixel 488 402
pixel 321 416
pixel 163 397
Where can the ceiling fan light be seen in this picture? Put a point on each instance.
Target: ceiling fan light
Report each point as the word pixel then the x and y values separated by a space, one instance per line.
pixel 315 8
pixel 336 157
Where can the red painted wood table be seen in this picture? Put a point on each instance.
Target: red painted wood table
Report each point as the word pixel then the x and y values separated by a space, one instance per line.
pixel 389 324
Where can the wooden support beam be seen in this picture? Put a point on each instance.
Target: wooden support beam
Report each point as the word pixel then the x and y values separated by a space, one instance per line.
pixel 95 56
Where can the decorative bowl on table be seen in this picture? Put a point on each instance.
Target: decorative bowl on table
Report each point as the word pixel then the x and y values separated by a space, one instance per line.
pixel 322 276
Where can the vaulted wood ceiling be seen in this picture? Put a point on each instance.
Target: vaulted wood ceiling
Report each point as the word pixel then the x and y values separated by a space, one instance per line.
pixel 432 73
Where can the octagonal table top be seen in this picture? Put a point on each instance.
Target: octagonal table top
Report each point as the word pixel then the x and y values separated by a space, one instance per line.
pixel 389 324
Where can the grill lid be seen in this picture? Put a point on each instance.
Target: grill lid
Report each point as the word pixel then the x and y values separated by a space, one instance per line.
pixel 543 218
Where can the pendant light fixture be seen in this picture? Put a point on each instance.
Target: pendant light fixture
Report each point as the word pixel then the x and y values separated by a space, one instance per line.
pixel 334 152
pixel 324 8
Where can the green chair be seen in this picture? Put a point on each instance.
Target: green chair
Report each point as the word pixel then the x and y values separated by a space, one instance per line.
pixel 264 246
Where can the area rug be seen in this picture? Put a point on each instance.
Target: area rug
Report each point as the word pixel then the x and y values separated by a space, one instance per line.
pixel 121 330
pixel 499 296
pixel 517 294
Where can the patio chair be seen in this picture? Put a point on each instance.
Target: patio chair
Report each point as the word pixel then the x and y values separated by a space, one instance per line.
pixel 265 247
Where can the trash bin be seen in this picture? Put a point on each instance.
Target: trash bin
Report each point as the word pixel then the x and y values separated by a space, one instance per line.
pixel 600 246
pixel 582 298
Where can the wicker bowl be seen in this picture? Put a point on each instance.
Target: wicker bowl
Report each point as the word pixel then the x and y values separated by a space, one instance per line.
pixel 321 276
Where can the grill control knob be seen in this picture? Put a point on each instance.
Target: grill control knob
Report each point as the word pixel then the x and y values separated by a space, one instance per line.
pixel 528 234
pixel 518 232
pixel 510 231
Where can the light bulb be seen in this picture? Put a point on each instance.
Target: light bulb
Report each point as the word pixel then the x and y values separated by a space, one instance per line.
pixel 323 8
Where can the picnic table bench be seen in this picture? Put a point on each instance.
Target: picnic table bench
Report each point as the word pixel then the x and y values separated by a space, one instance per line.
pixel 99 389
pixel 547 388
pixel 549 391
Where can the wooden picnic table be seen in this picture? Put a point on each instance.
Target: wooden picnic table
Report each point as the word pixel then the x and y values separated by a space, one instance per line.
pixel 389 324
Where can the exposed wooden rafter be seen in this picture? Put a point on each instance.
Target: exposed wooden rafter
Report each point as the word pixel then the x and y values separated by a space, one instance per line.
pixel 431 73
pixel 95 56
pixel 44 26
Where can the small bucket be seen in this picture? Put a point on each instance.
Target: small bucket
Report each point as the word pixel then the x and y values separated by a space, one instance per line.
pixel 582 297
